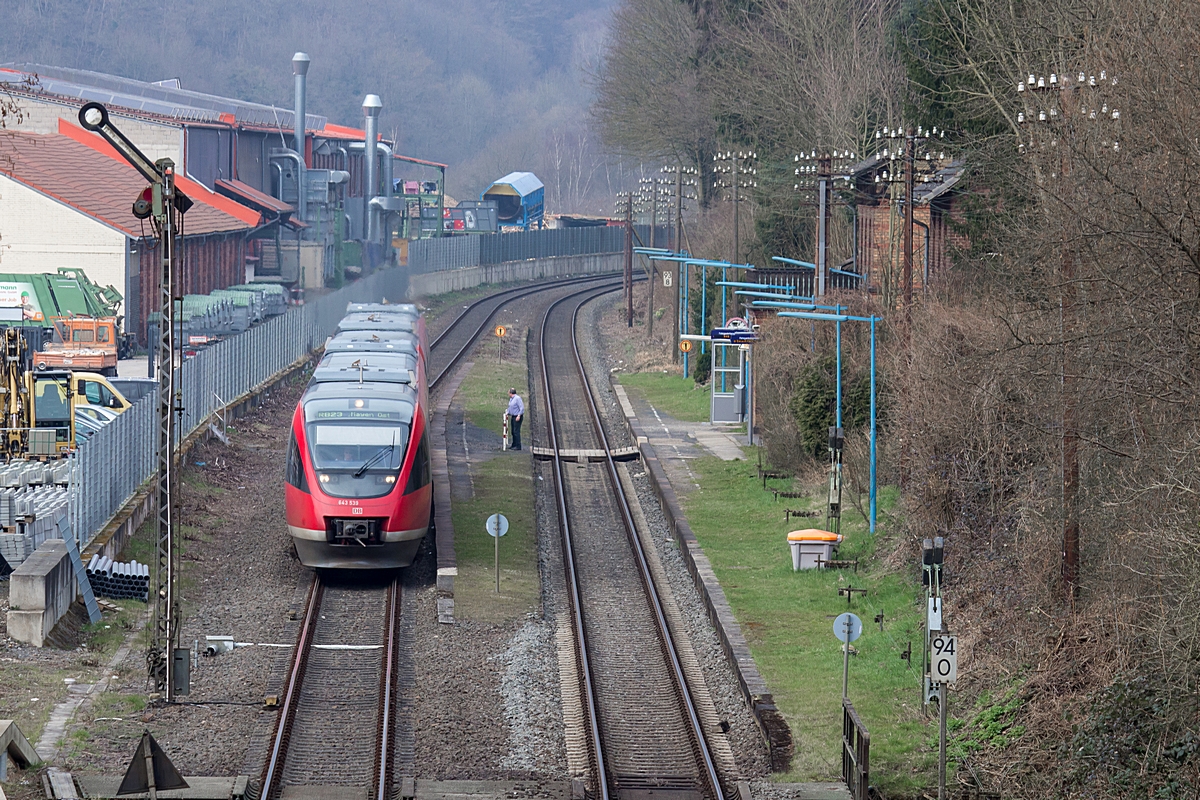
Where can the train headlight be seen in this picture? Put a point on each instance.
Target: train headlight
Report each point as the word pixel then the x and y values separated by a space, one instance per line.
pixel 323 478
pixel 389 479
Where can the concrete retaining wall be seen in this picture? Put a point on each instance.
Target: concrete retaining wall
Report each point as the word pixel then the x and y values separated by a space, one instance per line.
pixel 41 591
pixel 533 269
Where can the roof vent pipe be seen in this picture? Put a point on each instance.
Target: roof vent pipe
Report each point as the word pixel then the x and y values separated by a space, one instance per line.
pixel 300 63
pixel 371 106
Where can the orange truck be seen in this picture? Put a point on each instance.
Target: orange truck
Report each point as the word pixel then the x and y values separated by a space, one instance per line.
pixel 81 344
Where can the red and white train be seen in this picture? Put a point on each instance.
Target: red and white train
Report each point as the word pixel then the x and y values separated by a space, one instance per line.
pixel 359 485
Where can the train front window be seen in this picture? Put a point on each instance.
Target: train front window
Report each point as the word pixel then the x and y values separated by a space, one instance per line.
pixel 357 451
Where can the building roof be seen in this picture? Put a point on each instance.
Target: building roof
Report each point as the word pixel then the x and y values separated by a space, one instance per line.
pixel 97 184
pixel 247 195
pixel 522 184
pixel 161 99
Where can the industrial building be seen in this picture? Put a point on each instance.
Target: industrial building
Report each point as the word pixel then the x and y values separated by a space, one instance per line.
pixel 275 204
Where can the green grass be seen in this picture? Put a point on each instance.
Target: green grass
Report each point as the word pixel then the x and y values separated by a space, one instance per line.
pixel 787 618
pixel 672 394
pixel 484 392
pixel 503 484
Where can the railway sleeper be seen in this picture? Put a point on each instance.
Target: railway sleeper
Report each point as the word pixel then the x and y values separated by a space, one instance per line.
pixel 581 455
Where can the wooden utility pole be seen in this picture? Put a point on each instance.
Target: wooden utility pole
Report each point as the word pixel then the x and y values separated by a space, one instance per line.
pixel 910 145
pixel 650 262
pixel 737 169
pixel 824 216
pixel 629 261
pixel 1070 428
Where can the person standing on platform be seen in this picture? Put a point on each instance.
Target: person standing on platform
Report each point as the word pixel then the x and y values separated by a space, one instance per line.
pixel 516 414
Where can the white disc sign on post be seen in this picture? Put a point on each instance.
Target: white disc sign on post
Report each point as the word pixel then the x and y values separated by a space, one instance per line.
pixel 497 526
pixel 847 627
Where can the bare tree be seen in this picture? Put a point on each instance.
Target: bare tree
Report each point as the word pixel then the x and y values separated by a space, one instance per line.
pixel 652 101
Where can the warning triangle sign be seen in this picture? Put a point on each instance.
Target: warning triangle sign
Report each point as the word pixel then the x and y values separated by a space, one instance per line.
pixel 137 777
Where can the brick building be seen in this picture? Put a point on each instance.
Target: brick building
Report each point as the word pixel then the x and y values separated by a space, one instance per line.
pixel 879 224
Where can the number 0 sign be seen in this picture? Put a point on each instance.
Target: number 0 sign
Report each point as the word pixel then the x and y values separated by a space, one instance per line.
pixel 943 659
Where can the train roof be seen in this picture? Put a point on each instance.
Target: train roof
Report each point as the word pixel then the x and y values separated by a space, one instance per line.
pixel 357 342
pixel 364 367
pixel 353 391
pixel 375 321
pixel 407 309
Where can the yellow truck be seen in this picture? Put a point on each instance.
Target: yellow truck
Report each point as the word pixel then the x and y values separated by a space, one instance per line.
pixel 39 406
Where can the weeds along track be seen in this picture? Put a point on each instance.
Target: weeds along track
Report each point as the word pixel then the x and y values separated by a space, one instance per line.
pixel 644 731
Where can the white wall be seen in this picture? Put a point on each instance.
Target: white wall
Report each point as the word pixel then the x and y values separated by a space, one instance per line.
pixel 39 234
pixel 157 140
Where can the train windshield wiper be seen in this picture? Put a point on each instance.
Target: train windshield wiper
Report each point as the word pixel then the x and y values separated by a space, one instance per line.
pixel 375 459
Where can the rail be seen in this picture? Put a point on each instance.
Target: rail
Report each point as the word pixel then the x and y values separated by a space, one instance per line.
pixel 382 774
pixel 856 752
pixel 708 772
pixel 492 304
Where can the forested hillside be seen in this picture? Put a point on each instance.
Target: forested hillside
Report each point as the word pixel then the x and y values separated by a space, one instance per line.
pixel 1041 399
pixel 486 86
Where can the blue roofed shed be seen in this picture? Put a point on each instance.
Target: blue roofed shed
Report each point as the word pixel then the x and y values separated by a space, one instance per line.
pixel 520 199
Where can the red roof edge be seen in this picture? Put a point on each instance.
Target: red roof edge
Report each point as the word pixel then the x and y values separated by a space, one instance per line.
pixel 192 189
pixel 332 131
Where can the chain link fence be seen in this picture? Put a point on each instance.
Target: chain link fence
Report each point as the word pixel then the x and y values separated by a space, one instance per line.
pixel 108 468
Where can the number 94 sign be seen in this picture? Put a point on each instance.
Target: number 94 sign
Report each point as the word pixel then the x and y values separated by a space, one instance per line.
pixel 943 659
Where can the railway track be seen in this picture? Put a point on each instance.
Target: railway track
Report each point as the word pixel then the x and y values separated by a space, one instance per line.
pixel 452 344
pixel 342 679
pixel 644 730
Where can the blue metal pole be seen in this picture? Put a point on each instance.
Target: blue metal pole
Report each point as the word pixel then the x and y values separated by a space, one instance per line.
pixel 873 492
pixel 839 368
pixel 724 280
pixel 703 305
pixel 724 319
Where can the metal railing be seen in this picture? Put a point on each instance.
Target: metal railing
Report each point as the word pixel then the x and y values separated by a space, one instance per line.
pixel 461 252
pixel 108 468
pixel 856 752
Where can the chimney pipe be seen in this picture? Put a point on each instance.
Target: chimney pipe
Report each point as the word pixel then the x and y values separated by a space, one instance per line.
pixel 371 106
pixel 300 63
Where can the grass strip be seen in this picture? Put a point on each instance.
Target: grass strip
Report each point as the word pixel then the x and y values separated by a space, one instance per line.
pixel 503 483
pixel 787 618
pixel 679 397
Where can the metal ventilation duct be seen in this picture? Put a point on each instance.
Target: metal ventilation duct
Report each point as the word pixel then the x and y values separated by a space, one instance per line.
pixel 300 63
pixel 371 107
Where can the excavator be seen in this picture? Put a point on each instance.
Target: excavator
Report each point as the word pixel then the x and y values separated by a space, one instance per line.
pixel 39 406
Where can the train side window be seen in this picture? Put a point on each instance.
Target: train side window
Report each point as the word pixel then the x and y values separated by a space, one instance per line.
pixel 295 466
pixel 421 473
